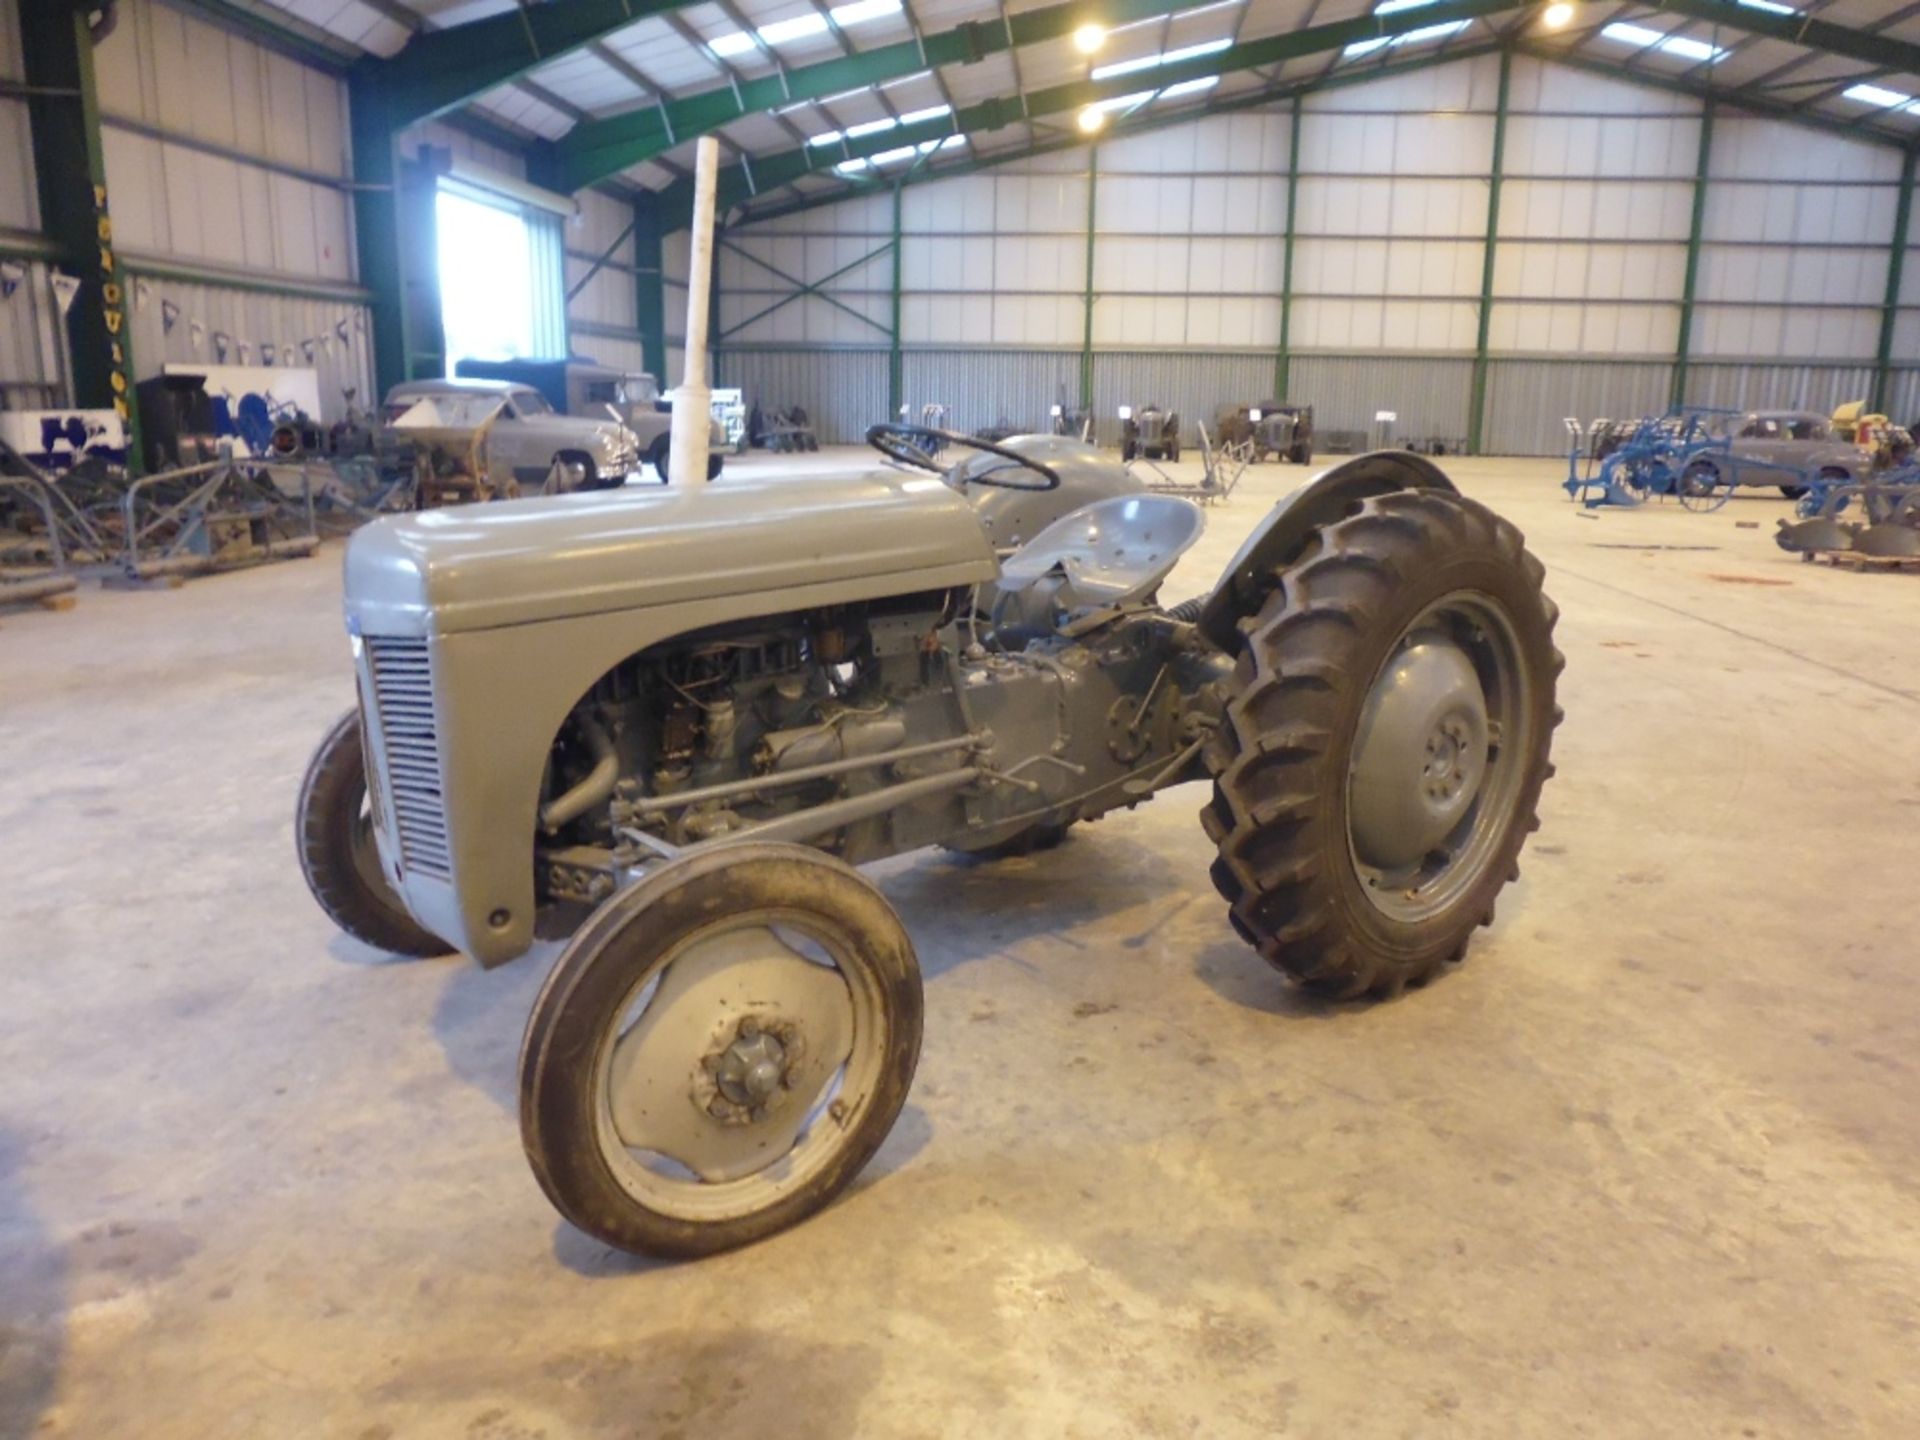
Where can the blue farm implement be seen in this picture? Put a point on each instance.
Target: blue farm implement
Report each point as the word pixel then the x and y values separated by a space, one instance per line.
pixel 1887 530
pixel 1677 454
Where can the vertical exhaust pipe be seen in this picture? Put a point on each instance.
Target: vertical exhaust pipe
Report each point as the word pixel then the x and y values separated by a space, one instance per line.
pixel 693 401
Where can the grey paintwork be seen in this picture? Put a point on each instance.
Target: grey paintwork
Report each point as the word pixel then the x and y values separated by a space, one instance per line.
pixel 1787 447
pixel 526 604
pixel 529 435
pixel 1014 516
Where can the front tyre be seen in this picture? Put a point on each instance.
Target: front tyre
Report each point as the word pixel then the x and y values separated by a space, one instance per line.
pixel 720 1050
pixel 1384 742
pixel 333 830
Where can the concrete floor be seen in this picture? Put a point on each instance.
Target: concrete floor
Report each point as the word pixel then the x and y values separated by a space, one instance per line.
pixel 1645 1166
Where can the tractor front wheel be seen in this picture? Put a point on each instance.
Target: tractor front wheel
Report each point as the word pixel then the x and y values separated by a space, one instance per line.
pixel 720 1049
pixel 333 830
pixel 1384 742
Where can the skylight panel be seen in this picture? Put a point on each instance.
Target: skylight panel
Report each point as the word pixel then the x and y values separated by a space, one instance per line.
pixel 1189 87
pixel 859 10
pixel 887 157
pixel 832 137
pixel 1770 6
pixel 932 112
pixel 1411 37
pixel 1165 57
pixel 1122 102
pixel 797 28
pixel 1876 95
pixel 1641 38
pixel 781 32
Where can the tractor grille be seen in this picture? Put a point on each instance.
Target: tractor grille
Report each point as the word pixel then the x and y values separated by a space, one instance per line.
pixel 403 693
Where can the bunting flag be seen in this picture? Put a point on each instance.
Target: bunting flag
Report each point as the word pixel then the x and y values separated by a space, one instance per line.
pixel 65 287
pixel 169 317
pixel 196 332
pixel 308 349
pixel 12 272
pixel 267 353
pixel 340 330
pixel 142 293
pixel 221 340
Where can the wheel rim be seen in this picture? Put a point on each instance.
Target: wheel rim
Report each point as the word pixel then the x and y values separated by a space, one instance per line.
pixel 1438 757
pixel 737 1068
pixel 1700 488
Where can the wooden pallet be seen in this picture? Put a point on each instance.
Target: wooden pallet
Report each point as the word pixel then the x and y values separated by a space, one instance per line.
pixel 1854 560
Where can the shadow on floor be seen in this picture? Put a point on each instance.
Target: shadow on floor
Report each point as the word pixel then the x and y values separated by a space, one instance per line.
pixel 33 1302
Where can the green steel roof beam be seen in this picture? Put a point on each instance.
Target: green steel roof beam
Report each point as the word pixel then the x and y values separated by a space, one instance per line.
pixel 1802 30
pixel 1139 124
pixel 438 70
pixel 604 147
pixel 999 112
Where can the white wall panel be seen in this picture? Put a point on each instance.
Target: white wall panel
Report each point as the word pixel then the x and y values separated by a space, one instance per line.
pixel 19 203
pixel 621 353
pixel 164 68
pixel 183 203
pixel 1811 333
pixel 1539 85
pixel 1625 147
pixel 1799 212
pixel 1624 210
pixel 1755 147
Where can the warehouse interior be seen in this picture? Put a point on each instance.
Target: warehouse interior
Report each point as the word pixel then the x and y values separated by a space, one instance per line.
pixel 1639 281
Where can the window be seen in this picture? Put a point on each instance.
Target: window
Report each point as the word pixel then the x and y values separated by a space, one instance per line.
pixel 528 403
pixel 502 294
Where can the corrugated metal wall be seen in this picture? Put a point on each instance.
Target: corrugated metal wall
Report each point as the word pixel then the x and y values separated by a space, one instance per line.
pixel 988 387
pixel 1194 383
pixel 1428 393
pixel 842 391
pixel 290 325
pixel 1795 387
pixel 29 342
pixel 1528 399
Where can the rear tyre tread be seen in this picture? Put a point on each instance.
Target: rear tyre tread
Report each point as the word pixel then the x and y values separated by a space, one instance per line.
pixel 1305 652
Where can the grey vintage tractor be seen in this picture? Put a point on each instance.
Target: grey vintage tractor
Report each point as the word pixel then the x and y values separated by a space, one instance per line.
pixel 1150 433
pixel 673 722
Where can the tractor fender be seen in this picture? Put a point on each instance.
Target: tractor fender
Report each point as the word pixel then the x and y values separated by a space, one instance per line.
pixel 1278 540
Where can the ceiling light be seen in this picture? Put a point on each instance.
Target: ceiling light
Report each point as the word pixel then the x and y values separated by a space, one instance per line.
pixel 1557 17
pixel 1091 119
pixel 1089 38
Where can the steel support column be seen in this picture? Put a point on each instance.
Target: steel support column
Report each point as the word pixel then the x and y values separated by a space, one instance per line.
pixel 63 109
pixel 1696 228
pixel 650 289
pixel 1477 406
pixel 896 378
pixel 1896 272
pixel 1283 361
pixel 1086 334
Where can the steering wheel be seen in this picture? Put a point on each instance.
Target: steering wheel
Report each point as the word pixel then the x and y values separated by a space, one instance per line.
pixel 896 443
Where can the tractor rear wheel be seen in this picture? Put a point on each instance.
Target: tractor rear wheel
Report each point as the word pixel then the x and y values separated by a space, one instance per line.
pixel 1384 741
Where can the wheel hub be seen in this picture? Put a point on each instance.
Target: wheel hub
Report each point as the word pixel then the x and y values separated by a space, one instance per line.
pixel 1421 754
pixel 750 1071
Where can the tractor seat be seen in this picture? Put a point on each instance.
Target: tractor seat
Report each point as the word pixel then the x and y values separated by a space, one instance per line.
pixel 1112 552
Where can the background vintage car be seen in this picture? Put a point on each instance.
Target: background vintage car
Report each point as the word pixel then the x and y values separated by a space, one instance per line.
pixel 529 440
pixel 1787 448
